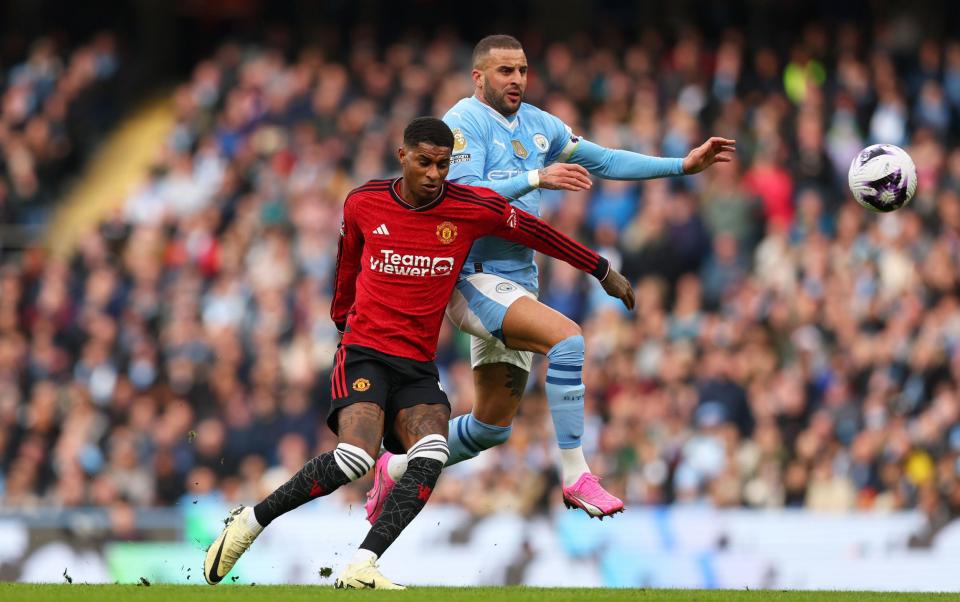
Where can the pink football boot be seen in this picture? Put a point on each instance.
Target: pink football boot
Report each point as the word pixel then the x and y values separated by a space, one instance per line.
pixel 589 496
pixel 382 485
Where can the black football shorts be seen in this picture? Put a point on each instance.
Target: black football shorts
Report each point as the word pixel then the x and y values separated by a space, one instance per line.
pixel 393 383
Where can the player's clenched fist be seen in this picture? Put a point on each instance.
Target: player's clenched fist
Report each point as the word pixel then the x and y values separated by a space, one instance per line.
pixel 617 286
pixel 565 176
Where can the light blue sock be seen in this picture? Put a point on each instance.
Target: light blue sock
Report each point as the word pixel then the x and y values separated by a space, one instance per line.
pixel 468 437
pixel 565 390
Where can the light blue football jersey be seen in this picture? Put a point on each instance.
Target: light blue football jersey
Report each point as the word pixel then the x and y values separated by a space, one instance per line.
pixel 491 147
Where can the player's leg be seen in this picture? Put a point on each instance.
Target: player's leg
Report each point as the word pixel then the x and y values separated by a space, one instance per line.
pixel 359 389
pixel 360 428
pixel 478 306
pixel 514 321
pixel 419 427
pixel 357 416
pixel 508 323
pixel 532 326
pixel 500 385
pixel 422 431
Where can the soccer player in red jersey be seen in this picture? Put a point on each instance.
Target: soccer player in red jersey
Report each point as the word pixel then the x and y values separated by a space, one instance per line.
pixel 403 243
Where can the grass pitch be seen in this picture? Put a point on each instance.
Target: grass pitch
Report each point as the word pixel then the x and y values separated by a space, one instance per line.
pixel 291 593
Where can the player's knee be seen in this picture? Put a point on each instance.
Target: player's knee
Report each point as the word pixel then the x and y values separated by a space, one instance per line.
pixel 431 447
pixel 559 331
pixel 353 461
pixel 569 351
pixel 568 329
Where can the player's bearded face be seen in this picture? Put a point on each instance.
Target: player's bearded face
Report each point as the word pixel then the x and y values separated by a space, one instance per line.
pixel 504 80
pixel 425 167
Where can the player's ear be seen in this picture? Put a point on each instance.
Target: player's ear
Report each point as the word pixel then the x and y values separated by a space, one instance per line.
pixel 477 76
pixel 401 154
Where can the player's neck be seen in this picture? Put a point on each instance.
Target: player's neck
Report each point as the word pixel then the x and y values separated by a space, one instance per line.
pixel 408 197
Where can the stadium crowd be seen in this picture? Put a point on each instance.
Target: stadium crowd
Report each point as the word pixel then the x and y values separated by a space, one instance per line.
pixel 54 107
pixel 789 348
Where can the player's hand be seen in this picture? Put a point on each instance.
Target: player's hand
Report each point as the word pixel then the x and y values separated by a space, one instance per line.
pixel 617 286
pixel 712 151
pixel 565 176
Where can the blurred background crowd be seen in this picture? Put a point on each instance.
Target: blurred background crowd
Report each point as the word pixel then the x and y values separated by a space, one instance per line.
pixel 55 105
pixel 790 349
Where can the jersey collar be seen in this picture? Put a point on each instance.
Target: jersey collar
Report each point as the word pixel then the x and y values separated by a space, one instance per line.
pixel 399 199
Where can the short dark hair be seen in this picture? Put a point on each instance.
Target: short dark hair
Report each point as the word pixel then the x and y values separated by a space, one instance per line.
pixel 427 129
pixel 488 43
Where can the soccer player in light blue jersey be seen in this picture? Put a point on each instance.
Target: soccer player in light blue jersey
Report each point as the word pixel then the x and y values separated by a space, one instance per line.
pixel 516 149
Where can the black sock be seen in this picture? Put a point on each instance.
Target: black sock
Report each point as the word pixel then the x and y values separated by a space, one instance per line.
pixel 318 477
pixel 403 504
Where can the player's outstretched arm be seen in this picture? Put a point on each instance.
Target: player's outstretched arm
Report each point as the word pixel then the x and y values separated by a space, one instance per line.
pixel 618 164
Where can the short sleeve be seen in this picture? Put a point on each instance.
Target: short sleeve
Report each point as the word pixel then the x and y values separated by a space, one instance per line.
pixel 469 153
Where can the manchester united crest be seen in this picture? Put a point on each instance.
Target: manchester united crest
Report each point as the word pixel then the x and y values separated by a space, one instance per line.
pixel 446 233
pixel 361 385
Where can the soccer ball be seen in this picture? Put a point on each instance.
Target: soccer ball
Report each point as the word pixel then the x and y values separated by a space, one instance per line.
pixel 882 178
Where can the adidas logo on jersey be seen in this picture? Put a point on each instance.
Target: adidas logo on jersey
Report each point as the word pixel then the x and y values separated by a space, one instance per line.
pixel 381 230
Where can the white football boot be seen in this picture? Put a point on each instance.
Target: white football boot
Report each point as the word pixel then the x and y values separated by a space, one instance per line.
pixel 364 575
pixel 234 540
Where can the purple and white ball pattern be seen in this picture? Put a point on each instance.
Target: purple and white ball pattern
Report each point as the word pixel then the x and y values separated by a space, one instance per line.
pixel 882 178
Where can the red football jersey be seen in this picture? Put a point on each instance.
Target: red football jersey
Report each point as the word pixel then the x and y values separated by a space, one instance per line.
pixel 397 264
